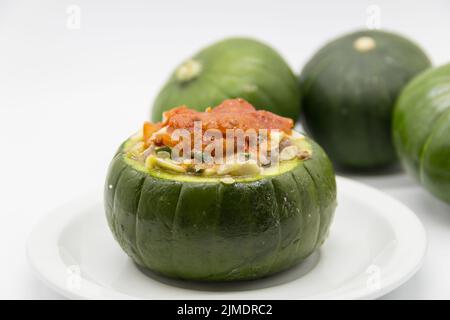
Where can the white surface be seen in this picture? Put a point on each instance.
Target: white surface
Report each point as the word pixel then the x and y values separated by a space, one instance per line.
pixel 371 250
pixel 68 97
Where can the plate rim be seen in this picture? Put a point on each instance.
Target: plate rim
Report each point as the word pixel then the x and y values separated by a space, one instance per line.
pixel 42 251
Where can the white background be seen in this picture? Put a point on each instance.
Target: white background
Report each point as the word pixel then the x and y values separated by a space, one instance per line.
pixel 68 97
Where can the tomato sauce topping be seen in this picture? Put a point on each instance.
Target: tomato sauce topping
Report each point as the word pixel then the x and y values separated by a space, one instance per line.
pixel 230 114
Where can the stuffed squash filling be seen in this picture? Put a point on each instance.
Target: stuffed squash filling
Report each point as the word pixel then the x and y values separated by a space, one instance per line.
pixel 231 139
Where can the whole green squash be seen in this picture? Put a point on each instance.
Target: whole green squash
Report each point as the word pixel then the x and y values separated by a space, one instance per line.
pixel 232 68
pixel 421 130
pixel 203 229
pixel 349 88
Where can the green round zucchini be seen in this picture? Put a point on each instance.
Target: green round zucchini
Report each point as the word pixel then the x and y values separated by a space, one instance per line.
pixel 349 88
pixel 200 228
pixel 232 68
pixel 421 130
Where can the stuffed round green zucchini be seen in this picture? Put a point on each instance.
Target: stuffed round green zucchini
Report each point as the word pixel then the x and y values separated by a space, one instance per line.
pixel 421 130
pixel 211 224
pixel 349 88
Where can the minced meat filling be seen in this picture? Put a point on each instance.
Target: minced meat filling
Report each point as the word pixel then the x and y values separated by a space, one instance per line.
pixel 232 139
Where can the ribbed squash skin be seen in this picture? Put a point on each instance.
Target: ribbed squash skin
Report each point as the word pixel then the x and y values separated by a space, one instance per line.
pixel 348 96
pixel 234 68
pixel 213 231
pixel 421 130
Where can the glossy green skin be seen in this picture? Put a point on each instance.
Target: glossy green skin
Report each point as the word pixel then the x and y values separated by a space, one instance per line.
pixel 348 96
pixel 421 130
pixel 213 231
pixel 235 68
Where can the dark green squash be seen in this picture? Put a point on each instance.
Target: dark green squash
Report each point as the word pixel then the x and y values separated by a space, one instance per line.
pixel 349 88
pixel 232 68
pixel 203 229
pixel 421 130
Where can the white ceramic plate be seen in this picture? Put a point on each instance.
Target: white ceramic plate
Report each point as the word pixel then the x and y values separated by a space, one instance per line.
pixel 375 245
